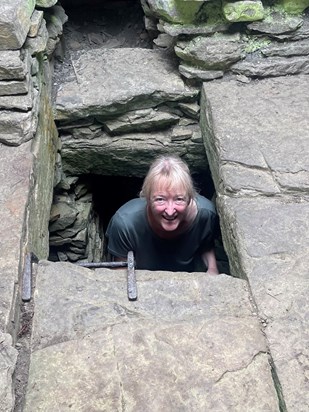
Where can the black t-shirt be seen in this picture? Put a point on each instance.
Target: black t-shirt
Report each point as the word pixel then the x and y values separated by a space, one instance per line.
pixel 129 230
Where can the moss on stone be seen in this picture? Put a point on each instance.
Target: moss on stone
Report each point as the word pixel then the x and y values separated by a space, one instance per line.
pixel 243 11
pixel 187 9
pixel 294 6
pixel 254 43
pixel 211 12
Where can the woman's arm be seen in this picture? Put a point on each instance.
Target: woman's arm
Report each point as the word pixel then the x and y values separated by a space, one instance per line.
pixel 209 259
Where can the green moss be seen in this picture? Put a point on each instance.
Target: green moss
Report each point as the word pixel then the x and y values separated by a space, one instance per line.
pixel 253 43
pixel 294 6
pixel 187 10
pixel 243 11
pixel 211 13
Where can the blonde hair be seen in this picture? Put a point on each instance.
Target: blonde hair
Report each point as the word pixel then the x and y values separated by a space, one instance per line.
pixel 172 171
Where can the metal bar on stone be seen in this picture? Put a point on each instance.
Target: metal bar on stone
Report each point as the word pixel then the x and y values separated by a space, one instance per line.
pixel 27 278
pixel 132 288
pixel 97 265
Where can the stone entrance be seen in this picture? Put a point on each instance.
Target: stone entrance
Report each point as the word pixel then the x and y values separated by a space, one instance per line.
pixel 224 343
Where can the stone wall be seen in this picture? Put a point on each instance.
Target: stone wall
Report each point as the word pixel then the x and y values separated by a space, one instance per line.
pixel 247 39
pixel 239 39
pixel 210 40
pixel 206 40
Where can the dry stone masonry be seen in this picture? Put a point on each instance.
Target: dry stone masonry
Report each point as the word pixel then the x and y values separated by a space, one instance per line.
pixel 224 84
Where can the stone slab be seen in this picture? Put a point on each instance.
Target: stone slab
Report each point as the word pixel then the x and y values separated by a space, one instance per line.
pixel 15 169
pixel 106 154
pixel 8 358
pixel 114 81
pixel 272 241
pixel 257 135
pixel 13 66
pixel 183 345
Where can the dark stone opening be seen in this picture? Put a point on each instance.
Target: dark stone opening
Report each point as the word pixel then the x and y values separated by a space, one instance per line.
pixel 101 196
pixel 97 23
pixel 84 205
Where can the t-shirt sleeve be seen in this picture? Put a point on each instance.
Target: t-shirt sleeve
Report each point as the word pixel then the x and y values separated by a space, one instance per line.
pixel 118 240
pixel 211 230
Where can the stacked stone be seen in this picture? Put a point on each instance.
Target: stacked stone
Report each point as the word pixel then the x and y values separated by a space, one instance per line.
pixel 74 225
pixel 27 36
pixel 134 108
pixel 246 38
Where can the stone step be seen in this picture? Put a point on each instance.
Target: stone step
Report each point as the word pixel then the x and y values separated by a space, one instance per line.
pixel 185 344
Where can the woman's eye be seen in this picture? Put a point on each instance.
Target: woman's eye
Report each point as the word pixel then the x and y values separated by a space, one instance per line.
pixel 180 200
pixel 159 199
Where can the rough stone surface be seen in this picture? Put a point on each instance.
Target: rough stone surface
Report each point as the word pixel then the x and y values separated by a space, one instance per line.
pixel 46 3
pixel 121 70
pixel 14 189
pixel 243 10
pixel 262 199
pixel 15 20
pixel 265 220
pixel 140 120
pixel 13 65
pixel 172 10
pixel 194 29
pixel 265 156
pixel 295 6
pixel 8 357
pixel 172 340
pixel 277 23
pixel 272 67
pixel 214 53
pixel 109 155
pixel 19 127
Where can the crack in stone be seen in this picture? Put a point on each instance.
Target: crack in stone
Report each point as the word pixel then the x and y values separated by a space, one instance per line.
pixel 242 367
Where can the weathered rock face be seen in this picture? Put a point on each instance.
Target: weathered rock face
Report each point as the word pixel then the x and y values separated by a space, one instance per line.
pixel 166 351
pixel 202 58
pixel 143 105
pixel 75 229
pixel 15 23
pixel 260 165
pixel 8 358
pixel 269 180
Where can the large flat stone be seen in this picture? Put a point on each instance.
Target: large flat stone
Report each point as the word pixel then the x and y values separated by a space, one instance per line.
pixel 185 344
pixel 8 358
pixel 106 82
pixel 260 164
pixel 14 189
pixel 272 242
pixel 257 135
pixel 109 155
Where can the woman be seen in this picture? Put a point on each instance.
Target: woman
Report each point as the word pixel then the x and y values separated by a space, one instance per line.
pixel 170 227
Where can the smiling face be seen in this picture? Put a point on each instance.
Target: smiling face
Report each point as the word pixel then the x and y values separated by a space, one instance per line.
pixel 168 209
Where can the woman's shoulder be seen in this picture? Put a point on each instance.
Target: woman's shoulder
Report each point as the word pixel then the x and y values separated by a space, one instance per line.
pixel 132 210
pixel 205 204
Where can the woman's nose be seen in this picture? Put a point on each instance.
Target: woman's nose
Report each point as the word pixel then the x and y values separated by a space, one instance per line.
pixel 170 207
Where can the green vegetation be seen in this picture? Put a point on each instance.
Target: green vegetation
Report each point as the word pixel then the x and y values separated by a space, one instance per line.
pixel 254 43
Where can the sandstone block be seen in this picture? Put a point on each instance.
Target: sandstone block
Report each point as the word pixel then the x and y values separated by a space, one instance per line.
pixel 14 65
pixel 213 53
pixel 166 351
pixel 15 21
pixel 128 79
